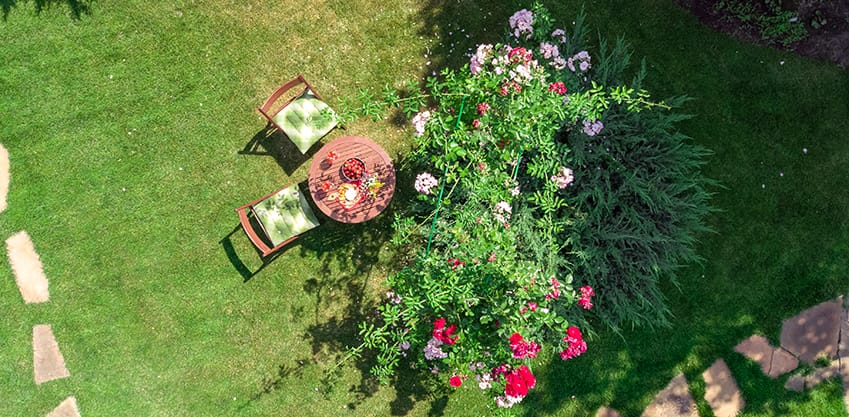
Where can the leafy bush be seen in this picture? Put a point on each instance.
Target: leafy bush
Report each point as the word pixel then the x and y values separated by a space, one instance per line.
pixel 541 188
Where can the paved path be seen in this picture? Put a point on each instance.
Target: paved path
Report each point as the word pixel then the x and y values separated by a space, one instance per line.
pixel 29 272
pixel 47 360
pixel 67 408
pixel 818 333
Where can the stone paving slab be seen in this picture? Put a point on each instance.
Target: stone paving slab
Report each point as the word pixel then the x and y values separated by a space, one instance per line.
pixel 800 383
pixel 29 273
pixel 607 412
pixel 774 362
pixel 843 344
pixel 67 408
pixel 782 362
pixel 48 363
pixel 795 383
pixel 674 401
pixel 844 373
pixel 814 332
pixel 4 177
pixel 721 390
pixel 758 349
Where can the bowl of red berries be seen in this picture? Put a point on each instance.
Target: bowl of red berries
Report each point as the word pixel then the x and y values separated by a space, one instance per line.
pixel 353 169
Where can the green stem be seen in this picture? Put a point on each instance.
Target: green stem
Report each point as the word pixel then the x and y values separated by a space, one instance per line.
pixel 442 187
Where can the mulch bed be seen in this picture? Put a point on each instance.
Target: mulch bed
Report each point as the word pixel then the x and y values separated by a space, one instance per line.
pixel 830 42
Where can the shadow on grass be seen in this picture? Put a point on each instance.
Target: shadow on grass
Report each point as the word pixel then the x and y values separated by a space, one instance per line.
pixel 77 7
pixel 362 248
pixel 271 142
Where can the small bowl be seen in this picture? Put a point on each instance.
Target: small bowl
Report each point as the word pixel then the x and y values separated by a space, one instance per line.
pixel 353 169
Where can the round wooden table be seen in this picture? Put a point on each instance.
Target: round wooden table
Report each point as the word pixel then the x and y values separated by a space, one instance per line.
pixel 323 173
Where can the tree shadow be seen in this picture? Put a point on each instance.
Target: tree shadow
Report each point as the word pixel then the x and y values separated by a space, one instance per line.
pixel 76 7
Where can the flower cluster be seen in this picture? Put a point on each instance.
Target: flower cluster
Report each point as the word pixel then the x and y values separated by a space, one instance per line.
pixel 593 128
pixel 482 108
pixel 425 183
pixel 455 263
pixel 563 178
pixel 555 289
pixel 516 64
pixel 419 122
pixel 444 334
pixel 560 35
pixel 582 59
pixel 523 349
pixel 433 350
pixel 557 87
pixel 586 294
pixel 575 343
pixel 518 382
pixel 478 60
pixel 522 23
pixel 549 51
pixel 501 212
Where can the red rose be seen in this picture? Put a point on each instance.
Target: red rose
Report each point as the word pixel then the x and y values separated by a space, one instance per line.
pixel 455 381
pixel 516 386
pixel 515 339
pixel 527 376
pixel 574 333
pixel 439 324
pixel 448 337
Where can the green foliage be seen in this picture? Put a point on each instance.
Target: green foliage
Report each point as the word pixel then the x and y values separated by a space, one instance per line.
pixel 509 228
pixel 775 24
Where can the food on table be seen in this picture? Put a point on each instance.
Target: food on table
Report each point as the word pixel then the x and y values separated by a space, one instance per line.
pixel 349 195
pixel 353 169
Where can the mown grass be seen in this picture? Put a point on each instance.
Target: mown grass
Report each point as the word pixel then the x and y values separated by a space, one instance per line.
pixel 125 127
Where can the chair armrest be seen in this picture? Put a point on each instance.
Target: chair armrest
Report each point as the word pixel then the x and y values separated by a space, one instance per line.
pixel 266 107
pixel 249 230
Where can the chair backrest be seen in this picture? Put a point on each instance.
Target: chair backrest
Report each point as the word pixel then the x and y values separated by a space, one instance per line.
pixel 280 217
pixel 299 112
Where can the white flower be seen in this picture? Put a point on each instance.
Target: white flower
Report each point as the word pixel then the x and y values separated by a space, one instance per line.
pixel 419 122
pixel 425 182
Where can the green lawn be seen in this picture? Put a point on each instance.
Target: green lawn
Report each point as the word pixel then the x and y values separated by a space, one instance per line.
pixel 125 126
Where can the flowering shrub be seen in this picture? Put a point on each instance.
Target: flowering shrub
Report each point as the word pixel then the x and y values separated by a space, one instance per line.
pixel 526 142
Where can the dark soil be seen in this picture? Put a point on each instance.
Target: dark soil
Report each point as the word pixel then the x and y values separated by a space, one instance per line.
pixel 830 41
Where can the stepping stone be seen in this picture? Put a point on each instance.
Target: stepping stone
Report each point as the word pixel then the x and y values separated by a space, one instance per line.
pixel 4 177
pixel 47 360
pixel 721 390
pixel 844 373
pixel 799 382
pixel 814 332
pixel 68 408
pixel 774 362
pixel 29 273
pixel 821 374
pixel 674 401
pixel 843 344
pixel 607 412
pixel 795 383
pixel 782 363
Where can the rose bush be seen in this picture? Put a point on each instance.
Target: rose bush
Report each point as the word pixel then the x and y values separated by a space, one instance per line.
pixel 524 153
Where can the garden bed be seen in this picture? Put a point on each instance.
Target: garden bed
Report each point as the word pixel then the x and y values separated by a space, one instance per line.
pixel 826 24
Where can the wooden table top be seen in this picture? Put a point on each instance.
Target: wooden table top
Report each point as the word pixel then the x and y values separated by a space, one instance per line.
pixel 378 165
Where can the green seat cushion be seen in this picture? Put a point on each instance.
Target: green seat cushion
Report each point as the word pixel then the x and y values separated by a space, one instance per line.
pixel 306 120
pixel 285 214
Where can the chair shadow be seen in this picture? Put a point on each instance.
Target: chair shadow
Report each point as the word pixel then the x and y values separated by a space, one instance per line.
pixel 271 142
pixel 243 270
pixel 77 7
